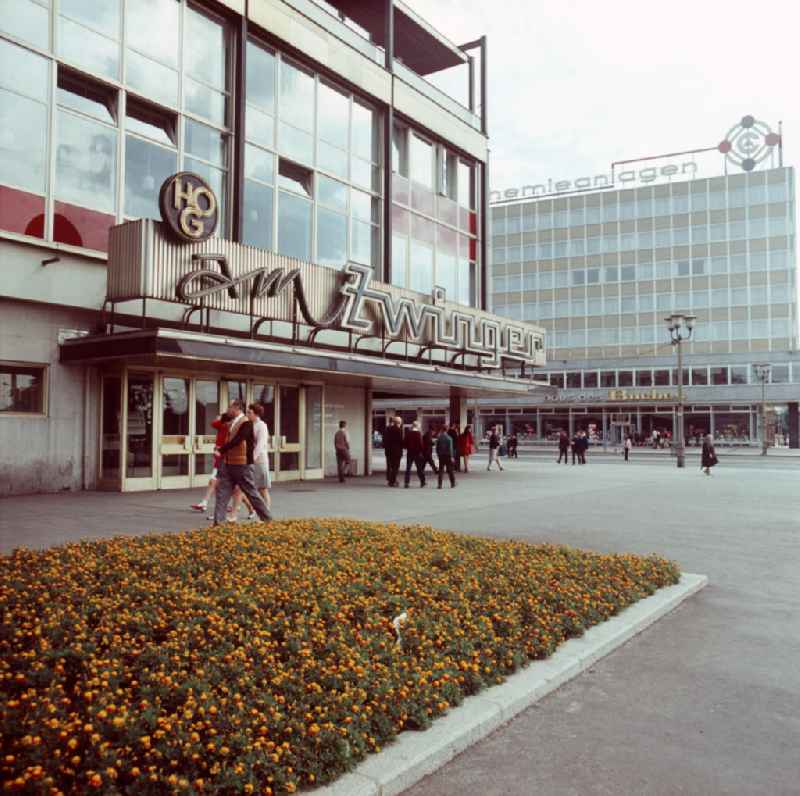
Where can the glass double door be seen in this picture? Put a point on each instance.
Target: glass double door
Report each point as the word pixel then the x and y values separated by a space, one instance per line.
pixel 186 436
pixel 169 438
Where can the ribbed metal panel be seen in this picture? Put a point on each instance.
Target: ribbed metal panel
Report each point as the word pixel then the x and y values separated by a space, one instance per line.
pixel 145 263
pixel 125 261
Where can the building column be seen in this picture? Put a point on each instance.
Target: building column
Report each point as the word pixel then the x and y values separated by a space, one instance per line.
pixel 794 426
pixel 571 424
pixel 458 409
pixel 711 427
pixel 367 431
pixel 605 428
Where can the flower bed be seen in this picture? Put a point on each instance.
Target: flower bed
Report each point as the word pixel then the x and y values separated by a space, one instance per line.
pixel 263 659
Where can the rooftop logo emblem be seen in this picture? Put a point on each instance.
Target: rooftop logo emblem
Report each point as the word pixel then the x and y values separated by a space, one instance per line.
pixel 748 143
pixel 188 207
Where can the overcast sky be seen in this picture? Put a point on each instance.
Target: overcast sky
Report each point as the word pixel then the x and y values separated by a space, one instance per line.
pixel 576 84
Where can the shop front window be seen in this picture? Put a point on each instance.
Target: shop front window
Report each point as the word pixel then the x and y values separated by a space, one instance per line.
pixel 731 428
pixel 22 389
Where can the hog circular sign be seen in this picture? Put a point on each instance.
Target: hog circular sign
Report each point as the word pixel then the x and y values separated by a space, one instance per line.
pixel 188 207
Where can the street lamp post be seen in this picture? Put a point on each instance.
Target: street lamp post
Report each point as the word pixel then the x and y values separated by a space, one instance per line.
pixel 762 372
pixel 680 328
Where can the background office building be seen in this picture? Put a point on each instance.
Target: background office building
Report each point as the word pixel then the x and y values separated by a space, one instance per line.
pixel 601 269
pixel 324 142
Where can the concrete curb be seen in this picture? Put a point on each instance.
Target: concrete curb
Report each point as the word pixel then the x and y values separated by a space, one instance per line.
pixel 416 754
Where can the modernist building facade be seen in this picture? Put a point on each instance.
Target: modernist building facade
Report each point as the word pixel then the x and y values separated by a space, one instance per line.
pixel 347 255
pixel 600 269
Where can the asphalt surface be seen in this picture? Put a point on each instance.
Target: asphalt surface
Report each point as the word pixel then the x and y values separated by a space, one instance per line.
pixel 707 701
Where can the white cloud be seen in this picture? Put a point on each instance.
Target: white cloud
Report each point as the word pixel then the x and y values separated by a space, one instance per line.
pixel 575 85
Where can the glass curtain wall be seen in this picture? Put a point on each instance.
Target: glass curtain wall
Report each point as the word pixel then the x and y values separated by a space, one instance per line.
pixel 142 90
pixel 610 265
pixel 434 217
pixel 312 165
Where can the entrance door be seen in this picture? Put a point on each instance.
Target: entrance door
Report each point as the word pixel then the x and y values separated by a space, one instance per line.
pixel 175 447
pixel 206 410
pixel 288 433
pixel 139 405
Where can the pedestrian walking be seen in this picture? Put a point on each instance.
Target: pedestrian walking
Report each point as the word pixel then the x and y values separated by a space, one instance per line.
pixel 627 446
pixel 583 446
pixel 512 443
pixel 221 426
pixel 427 450
pixel 563 446
pixel 575 447
pixel 444 450
pixel 466 446
pixel 708 457
pixel 237 466
pixel 494 449
pixel 412 442
pixel 341 444
pixel 393 447
pixel 454 435
pixel 263 481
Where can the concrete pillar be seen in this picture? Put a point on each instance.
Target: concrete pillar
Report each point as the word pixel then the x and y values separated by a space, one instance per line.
pixel 458 409
pixel 367 431
pixel 794 426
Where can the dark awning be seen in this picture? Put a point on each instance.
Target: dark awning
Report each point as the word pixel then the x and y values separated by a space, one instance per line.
pixel 416 43
pixel 203 352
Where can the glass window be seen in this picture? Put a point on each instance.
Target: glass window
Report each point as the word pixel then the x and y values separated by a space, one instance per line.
pixel 421 267
pixel 612 305
pixel 333 107
pixel 719 375
pixel 628 273
pixel 608 378
pixel 739 374
pixel 22 388
pixel 625 378
pixel 296 113
pixel 421 162
pixel 260 114
pixel 781 327
pixel 589 378
pixel 27 20
pixel 700 376
pixel 779 374
pixel 151 27
pixel 204 49
pixel 331 238
pixel 294 225
pixel 758 294
pixel 646 302
pixel 147 165
pixel 23 119
pixel 400 149
pixel 447 260
pixel 151 79
pixel 258 209
pixel 661 378
pixel 364 245
pixel 86 162
pixel 644 378
pixel 295 178
pixel 88 35
pixel 578 277
pixel 204 142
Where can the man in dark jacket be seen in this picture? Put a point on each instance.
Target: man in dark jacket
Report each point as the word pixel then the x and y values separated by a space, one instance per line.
pixel 444 450
pixel 393 447
pixel 453 432
pixel 236 467
pixel 563 446
pixel 427 450
pixel 413 446
pixel 583 439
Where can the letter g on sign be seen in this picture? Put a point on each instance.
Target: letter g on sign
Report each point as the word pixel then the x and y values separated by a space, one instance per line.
pixel 188 207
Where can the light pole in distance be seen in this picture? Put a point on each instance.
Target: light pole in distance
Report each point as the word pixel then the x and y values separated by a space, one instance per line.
pixel 762 372
pixel 680 328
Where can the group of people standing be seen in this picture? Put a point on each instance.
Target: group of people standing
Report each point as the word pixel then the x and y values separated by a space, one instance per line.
pixel 579 444
pixel 241 465
pixel 453 450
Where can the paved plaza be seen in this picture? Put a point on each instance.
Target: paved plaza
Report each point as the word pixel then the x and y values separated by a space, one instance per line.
pixel 707 701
